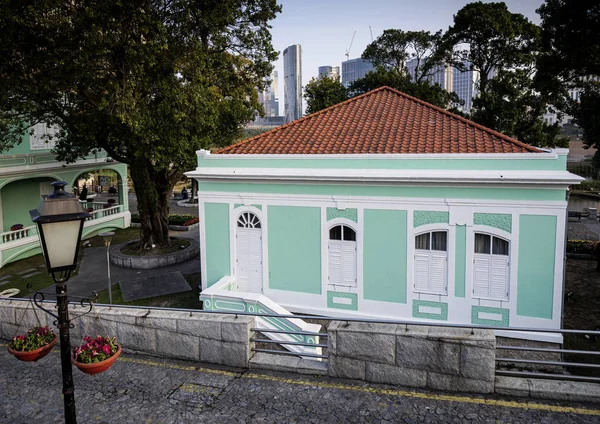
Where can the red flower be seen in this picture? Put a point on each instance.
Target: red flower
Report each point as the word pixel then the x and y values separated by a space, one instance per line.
pixel 106 349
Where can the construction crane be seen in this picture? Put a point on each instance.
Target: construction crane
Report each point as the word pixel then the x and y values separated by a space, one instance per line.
pixel 348 51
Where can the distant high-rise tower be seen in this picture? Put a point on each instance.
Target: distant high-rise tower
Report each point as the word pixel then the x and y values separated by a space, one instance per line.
pixel 354 69
pixel 465 86
pixel 329 71
pixel 292 82
pixel 269 98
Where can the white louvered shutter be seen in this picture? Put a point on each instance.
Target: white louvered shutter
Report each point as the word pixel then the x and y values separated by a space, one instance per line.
pixel 255 260
pixel 422 268
pixel 335 262
pixel 437 275
pixel 242 259
pixel 499 278
pixel 481 275
pixel 349 263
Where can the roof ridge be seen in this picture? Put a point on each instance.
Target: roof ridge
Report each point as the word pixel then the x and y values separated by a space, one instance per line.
pixel 304 118
pixel 463 119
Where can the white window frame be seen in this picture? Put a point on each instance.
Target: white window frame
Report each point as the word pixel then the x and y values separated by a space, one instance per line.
pixel 344 223
pixel 491 255
pixel 430 254
pixel 38 141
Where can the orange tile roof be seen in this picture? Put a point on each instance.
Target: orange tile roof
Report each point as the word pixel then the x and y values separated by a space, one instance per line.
pixel 380 121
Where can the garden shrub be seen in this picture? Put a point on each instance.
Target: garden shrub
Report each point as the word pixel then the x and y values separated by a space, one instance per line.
pixel 581 246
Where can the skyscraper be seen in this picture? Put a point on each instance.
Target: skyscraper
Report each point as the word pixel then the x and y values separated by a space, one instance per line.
pixel 292 82
pixel 354 69
pixel 269 98
pixel 465 86
pixel 329 71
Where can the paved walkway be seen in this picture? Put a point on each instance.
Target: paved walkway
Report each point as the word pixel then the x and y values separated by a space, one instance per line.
pixel 141 389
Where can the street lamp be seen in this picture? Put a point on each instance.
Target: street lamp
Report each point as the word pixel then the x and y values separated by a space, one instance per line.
pixel 59 220
pixel 107 236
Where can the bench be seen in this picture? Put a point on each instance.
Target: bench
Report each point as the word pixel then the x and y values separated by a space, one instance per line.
pixel 575 214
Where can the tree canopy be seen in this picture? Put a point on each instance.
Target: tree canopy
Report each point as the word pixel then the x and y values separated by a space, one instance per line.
pixel 570 60
pixel 502 47
pixel 150 82
pixel 323 92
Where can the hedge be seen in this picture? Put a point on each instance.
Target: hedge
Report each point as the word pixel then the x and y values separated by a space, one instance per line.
pixel 581 246
pixel 174 219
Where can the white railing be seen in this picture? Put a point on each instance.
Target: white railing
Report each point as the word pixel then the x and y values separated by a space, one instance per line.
pixel 101 213
pixel 224 296
pixel 94 205
pixel 9 236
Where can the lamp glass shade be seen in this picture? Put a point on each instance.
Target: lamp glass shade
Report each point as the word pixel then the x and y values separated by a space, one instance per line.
pixel 62 240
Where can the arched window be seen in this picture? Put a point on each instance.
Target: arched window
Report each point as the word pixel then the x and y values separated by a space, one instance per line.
pixel 431 262
pixel 248 220
pixel 342 256
pixel 491 267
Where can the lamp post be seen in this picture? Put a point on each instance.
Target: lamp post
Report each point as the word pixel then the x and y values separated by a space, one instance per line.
pixel 107 236
pixel 59 220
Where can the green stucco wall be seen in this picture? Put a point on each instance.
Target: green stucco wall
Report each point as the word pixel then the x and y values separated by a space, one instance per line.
pixel 460 261
pixel 384 257
pixel 389 191
pixel 18 198
pixel 216 224
pixel 537 244
pixel 294 248
pixel 506 163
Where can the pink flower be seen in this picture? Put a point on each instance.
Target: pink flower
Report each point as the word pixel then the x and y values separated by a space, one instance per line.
pixel 106 349
pixel 87 339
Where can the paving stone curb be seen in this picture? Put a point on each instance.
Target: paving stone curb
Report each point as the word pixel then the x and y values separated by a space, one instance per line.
pixel 151 262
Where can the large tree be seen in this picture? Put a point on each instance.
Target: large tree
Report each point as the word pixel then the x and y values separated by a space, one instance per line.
pixel 392 49
pixel 148 81
pixel 430 93
pixel 502 47
pixel 323 92
pixel 570 60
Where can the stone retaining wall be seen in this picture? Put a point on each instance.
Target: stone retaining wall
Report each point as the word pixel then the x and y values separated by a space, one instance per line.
pixel 450 359
pixel 211 338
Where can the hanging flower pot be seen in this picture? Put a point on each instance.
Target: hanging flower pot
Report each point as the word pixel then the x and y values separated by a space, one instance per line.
pixel 96 355
pixel 34 345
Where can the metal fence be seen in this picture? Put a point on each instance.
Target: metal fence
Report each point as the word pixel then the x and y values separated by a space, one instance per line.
pixel 570 364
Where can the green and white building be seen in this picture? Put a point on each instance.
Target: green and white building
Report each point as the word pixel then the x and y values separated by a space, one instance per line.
pixel 26 172
pixel 386 206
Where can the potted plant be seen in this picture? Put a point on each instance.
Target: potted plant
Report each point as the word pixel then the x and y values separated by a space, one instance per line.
pixel 16 227
pixel 34 345
pixel 96 355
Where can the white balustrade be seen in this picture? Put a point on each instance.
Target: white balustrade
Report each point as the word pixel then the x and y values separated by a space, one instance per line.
pixel 101 213
pixel 9 236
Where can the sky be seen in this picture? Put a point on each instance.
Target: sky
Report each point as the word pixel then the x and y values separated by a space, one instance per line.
pixel 324 28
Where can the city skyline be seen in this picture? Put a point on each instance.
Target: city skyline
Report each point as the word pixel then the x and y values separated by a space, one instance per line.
pixel 325 29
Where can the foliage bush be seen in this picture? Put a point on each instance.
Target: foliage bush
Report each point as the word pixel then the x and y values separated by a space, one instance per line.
pixel 174 219
pixel 581 246
pixel 180 219
pixel 588 185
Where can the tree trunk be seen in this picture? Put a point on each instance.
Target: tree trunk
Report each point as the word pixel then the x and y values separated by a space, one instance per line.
pixel 152 189
pixel 194 191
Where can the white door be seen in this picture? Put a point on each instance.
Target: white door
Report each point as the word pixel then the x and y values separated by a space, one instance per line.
pixel 248 248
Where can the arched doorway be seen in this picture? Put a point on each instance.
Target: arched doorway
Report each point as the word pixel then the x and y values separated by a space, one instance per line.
pixel 248 251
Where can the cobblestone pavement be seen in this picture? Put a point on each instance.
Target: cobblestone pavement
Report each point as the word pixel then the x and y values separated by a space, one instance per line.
pixel 141 389
pixel 586 229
